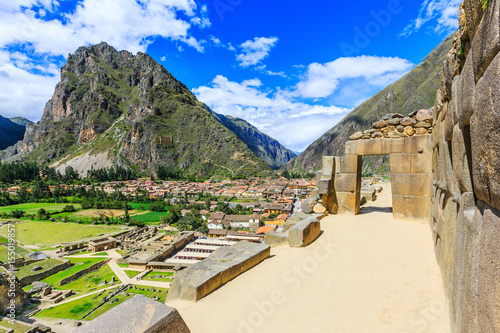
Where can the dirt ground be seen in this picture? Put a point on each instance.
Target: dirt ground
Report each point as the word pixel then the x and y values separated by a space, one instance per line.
pixel 365 273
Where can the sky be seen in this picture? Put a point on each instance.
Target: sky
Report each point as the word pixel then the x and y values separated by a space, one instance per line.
pixel 292 69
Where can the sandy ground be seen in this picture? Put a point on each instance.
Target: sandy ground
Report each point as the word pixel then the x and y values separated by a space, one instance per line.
pixel 365 273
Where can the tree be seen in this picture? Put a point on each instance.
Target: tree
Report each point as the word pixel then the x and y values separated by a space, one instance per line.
pixel 42 214
pixel 69 209
pixel 158 206
pixel 17 214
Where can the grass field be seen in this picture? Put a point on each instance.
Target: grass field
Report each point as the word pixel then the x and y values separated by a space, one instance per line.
pixel 19 251
pixel 131 274
pixel 32 208
pixel 122 252
pixel 165 276
pixel 150 218
pixel 18 328
pixel 139 206
pixel 45 264
pixel 46 234
pixel 84 284
pixel 123 265
pixel 78 308
pixel 79 264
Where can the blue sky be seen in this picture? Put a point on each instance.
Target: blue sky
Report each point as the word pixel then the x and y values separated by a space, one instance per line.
pixel 291 68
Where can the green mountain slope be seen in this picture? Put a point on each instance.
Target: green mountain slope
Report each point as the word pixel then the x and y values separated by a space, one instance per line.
pixel 115 107
pixel 267 148
pixel 414 91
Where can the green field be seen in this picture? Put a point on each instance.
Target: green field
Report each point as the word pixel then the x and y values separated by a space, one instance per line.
pixel 78 308
pixel 18 328
pixel 79 265
pixel 166 276
pixel 19 251
pixel 83 286
pixel 138 206
pixel 125 265
pixel 151 217
pixel 46 234
pixel 45 264
pixel 131 274
pixel 122 252
pixel 32 208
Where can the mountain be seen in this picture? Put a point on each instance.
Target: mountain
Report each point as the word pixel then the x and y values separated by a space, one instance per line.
pixel 10 132
pixel 21 121
pixel 265 147
pixel 414 91
pixel 113 107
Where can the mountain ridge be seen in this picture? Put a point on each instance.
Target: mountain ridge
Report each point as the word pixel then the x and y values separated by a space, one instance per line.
pixel 128 109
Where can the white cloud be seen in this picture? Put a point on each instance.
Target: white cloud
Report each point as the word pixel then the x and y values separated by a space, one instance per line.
pixel 163 58
pixel 276 113
pixel 125 24
pixel 254 51
pixel 321 80
pixel 441 14
pixel 24 93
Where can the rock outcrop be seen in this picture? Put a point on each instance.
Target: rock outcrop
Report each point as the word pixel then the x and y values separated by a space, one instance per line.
pixel 466 182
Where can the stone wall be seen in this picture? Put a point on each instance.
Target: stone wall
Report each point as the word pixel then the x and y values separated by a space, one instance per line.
pixel 83 272
pixel 466 171
pixel 27 280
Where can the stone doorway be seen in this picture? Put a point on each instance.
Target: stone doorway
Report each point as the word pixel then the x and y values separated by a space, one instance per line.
pixel 339 182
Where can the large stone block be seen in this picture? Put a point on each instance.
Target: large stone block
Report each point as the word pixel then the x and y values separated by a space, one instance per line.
pixel 138 314
pixel 448 123
pixel 462 158
pixel 410 184
pixel 421 163
pixel 323 186
pixel 486 43
pixel 350 164
pixel 328 166
pixel 294 219
pixel 222 265
pixel 485 135
pixel 347 182
pixel 375 147
pixel 418 144
pixel 473 15
pixel 453 106
pixel 411 208
pixel 349 203
pixel 400 163
pixel 274 238
pixel 488 284
pixel 465 103
pixel 304 233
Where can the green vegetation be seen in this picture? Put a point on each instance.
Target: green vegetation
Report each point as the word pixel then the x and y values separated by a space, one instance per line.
pixel 80 307
pixel 46 234
pixel 150 218
pixel 165 276
pixel 79 265
pixel 44 264
pixel 122 253
pixel 125 265
pixel 485 3
pixel 83 286
pixel 19 251
pixel 131 274
pixel 18 328
pixel 33 208
pixel 100 254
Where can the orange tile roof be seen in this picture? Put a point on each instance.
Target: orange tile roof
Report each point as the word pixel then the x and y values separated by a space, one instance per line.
pixel 264 229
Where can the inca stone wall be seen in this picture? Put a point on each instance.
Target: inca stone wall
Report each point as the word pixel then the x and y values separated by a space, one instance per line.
pixel 466 178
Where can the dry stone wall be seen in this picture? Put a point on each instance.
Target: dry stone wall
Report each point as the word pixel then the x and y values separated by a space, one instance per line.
pixel 466 170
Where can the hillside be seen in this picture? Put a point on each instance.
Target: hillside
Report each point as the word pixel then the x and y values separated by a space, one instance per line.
pixel 267 148
pixel 414 91
pixel 116 107
pixel 10 132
